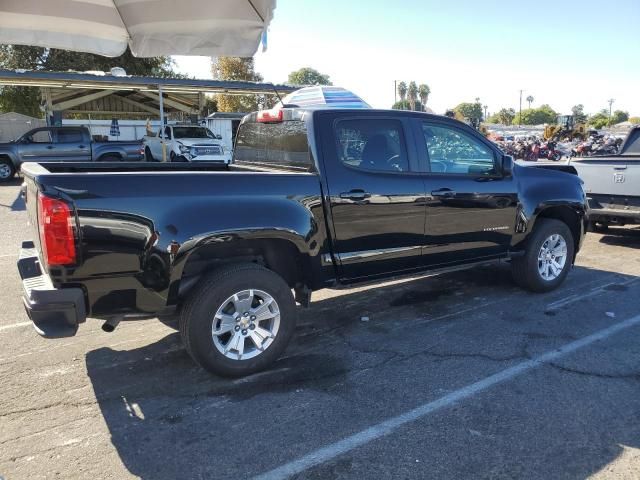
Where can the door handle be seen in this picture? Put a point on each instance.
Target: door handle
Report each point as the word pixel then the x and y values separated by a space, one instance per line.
pixel 82 146
pixel 443 192
pixel 49 147
pixel 355 195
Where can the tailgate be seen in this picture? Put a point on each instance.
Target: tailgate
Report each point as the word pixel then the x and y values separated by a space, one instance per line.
pixel 30 195
pixel 613 176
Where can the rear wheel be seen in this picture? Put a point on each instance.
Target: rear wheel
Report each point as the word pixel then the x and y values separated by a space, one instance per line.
pixel 238 320
pixel 548 257
pixel 7 170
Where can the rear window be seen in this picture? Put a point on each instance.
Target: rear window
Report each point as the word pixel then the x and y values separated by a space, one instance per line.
pixel 69 136
pixel 274 144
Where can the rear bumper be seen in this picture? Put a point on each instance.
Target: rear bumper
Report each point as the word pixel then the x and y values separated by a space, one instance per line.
pixel 55 313
pixel 209 158
pixel 613 214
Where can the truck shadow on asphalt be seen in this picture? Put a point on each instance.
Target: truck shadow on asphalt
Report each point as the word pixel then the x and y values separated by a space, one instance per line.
pixel 169 419
pixel 622 237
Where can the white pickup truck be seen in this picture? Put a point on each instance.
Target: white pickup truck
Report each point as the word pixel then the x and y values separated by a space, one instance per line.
pixel 185 143
pixel 612 184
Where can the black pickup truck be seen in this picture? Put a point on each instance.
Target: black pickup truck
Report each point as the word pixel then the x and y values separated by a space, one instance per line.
pixel 314 199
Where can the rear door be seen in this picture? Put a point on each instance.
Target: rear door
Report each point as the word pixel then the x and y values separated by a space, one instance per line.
pixel 471 207
pixel 71 145
pixel 375 192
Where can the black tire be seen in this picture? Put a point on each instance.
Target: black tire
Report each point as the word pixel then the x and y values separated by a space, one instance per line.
pixel 525 269
pixel 148 156
pixel 199 309
pixel 180 159
pixel 8 170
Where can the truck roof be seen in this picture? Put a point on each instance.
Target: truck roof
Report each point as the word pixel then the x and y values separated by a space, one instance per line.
pixel 298 113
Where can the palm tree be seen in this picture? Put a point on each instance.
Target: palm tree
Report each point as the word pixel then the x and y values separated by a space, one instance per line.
pixel 530 100
pixel 412 93
pixel 402 92
pixel 423 93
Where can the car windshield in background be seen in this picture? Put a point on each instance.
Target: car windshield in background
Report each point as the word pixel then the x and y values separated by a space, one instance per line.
pixel 274 144
pixel 192 132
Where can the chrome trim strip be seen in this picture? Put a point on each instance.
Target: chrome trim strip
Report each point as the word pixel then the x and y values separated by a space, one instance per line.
pixel 354 257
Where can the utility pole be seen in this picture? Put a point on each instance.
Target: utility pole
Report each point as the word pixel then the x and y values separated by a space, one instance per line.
pixel 395 92
pixel 520 114
pixel 485 113
pixel 611 100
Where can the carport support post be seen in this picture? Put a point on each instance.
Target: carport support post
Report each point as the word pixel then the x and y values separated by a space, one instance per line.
pixel 164 151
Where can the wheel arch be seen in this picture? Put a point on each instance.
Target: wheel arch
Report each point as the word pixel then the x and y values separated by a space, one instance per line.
pixel 566 215
pixel 112 153
pixel 280 255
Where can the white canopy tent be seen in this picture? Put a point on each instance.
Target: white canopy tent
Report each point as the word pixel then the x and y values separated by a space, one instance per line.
pixel 149 27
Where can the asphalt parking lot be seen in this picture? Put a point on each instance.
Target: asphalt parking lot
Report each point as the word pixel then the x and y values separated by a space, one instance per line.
pixel 457 376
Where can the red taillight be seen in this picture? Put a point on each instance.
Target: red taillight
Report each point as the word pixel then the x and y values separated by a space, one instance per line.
pixel 55 223
pixel 270 116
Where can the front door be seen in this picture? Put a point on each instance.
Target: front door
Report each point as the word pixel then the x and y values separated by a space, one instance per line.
pixel 376 194
pixel 37 146
pixel 471 206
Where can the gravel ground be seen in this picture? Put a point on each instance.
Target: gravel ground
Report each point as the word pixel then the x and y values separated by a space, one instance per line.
pixel 456 376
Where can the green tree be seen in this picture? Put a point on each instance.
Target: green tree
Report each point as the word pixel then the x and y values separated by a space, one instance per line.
pixel 236 68
pixel 423 92
pixel 402 91
pixel 505 116
pixel 536 116
pixel 530 100
pixel 308 76
pixel 404 105
pixel 471 112
pixel 578 113
pixel 412 94
pixel 600 119
pixel 26 100
pixel 619 116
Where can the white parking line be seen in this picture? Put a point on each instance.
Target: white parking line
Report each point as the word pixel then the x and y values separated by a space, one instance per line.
pixel 581 296
pixel 374 432
pixel 14 325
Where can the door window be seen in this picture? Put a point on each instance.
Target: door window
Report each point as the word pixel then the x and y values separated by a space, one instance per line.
pixel 167 133
pixel 372 144
pixel 69 136
pixel 40 136
pixel 453 151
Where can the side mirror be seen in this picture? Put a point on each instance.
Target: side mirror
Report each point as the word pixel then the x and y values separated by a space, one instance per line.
pixel 507 165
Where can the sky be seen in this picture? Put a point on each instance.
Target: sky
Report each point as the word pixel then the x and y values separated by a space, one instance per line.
pixel 561 52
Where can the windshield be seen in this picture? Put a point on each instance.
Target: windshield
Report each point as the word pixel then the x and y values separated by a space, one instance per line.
pixel 192 132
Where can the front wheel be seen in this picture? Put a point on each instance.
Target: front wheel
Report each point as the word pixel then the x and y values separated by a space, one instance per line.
pixel 548 257
pixel 7 170
pixel 238 320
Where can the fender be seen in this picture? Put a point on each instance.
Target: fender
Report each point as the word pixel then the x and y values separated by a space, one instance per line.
pixel 544 191
pixel 5 152
pixel 240 221
pixel 103 150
